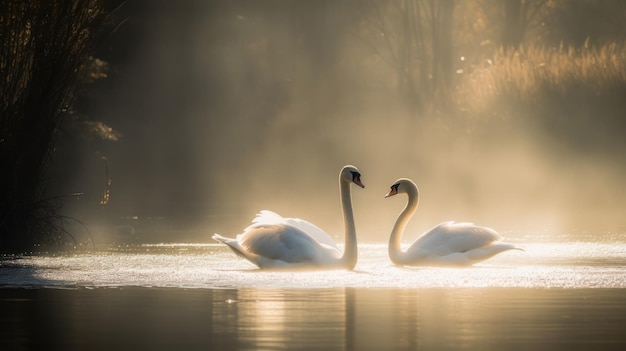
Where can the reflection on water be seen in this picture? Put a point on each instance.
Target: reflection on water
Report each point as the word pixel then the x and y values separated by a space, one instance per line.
pixel 288 319
pixel 489 319
pixel 200 296
pixel 320 319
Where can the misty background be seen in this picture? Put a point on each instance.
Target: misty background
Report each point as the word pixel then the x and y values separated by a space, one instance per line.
pixel 219 109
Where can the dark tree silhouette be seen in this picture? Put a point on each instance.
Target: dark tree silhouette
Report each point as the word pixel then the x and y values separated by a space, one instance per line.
pixel 44 45
pixel 416 38
pixel 518 17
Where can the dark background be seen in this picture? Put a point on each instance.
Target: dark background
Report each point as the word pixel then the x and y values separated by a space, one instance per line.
pixel 227 107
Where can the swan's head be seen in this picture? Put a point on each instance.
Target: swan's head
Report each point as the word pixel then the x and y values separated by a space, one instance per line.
pixel 351 174
pixel 402 186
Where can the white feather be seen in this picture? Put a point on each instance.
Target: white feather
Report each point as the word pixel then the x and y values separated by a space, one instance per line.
pixel 447 243
pixel 272 241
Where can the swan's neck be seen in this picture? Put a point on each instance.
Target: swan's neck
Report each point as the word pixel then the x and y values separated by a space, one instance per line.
pixel 395 251
pixel 350 253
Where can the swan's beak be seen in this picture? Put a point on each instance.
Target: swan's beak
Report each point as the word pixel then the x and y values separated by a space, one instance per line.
pixel 392 192
pixel 357 181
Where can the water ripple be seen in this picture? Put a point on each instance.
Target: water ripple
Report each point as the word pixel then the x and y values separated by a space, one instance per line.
pixel 545 265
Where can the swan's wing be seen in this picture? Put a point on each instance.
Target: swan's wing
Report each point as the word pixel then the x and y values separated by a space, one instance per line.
pixel 265 218
pixel 317 233
pixel 450 237
pixel 285 243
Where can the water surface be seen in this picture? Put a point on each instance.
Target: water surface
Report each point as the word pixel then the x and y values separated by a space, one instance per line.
pixel 554 295
pixel 213 266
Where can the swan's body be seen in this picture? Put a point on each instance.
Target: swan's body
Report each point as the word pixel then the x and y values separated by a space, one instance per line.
pixel 272 241
pixel 448 243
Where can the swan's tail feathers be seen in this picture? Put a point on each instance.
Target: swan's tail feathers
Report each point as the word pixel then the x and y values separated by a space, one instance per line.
pixel 502 246
pixel 489 251
pixel 499 247
pixel 220 238
pixel 231 243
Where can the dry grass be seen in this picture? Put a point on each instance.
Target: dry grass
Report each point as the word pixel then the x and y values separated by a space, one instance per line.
pixel 542 76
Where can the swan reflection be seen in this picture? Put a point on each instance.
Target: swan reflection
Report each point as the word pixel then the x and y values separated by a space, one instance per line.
pixel 408 319
pixel 281 319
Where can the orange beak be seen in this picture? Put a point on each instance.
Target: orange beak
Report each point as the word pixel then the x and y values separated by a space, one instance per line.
pixel 391 192
pixel 357 181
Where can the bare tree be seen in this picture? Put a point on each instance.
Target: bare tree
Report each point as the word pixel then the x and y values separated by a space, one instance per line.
pixel 518 17
pixel 415 38
pixel 44 44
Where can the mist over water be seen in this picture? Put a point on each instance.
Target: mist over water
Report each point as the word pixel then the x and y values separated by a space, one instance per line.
pixel 227 108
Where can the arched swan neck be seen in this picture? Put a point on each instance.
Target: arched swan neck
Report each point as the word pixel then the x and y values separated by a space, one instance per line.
pixel 395 240
pixel 350 253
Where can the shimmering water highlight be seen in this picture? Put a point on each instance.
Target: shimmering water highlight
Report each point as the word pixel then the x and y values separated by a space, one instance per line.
pixel 547 265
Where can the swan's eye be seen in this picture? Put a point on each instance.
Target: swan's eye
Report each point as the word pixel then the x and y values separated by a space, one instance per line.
pixel 355 175
pixel 395 187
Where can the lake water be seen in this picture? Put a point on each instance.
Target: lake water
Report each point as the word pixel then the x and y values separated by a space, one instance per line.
pixel 555 295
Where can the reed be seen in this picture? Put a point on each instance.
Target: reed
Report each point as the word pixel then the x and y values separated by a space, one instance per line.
pixel 45 43
pixel 543 77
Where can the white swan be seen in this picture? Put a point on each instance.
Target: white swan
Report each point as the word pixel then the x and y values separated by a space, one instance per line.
pixel 448 243
pixel 272 241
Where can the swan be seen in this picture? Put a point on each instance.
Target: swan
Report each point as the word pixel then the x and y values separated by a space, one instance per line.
pixel 273 242
pixel 449 243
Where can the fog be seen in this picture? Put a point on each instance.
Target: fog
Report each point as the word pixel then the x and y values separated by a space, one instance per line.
pixel 229 107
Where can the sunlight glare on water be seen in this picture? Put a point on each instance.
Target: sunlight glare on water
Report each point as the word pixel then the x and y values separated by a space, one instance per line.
pixel 563 265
